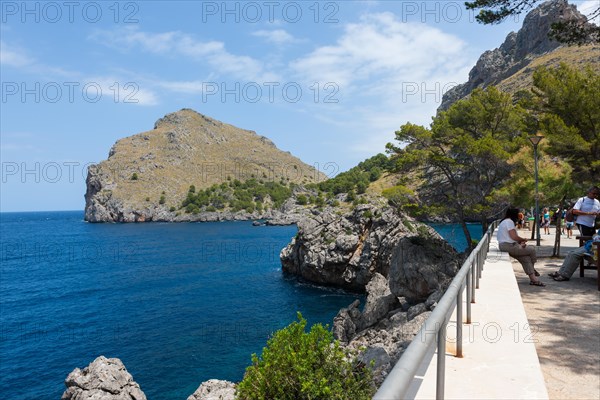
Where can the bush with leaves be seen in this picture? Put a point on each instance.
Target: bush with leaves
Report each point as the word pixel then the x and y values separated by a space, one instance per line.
pixel 297 365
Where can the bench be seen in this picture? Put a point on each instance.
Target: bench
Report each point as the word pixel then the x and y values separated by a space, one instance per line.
pixel 595 265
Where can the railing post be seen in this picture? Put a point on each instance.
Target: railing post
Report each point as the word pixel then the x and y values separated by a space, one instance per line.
pixel 473 279
pixel 459 318
pixel 468 296
pixel 441 362
pixel 478 268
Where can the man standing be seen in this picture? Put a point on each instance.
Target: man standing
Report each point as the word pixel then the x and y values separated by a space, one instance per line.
pixel 586 209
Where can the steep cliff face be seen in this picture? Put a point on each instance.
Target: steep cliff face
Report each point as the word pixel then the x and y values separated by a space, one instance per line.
pixel 518 50
pixel 184 148
pixel 347 250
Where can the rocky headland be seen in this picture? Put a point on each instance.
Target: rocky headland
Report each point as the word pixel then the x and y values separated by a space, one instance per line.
pixel 147 176
pixel 519 50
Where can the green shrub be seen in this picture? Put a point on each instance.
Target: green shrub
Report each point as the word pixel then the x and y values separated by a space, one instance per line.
pixel 134 177
pixel 301 200
pixel 297 365
pixel 162 200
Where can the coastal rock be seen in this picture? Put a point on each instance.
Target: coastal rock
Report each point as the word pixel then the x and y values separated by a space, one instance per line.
pixel 421 266
pixel 347 250
pixel 104 379
pixel 380 301
pixel 214 389
pixel 518 49
pixel 385 342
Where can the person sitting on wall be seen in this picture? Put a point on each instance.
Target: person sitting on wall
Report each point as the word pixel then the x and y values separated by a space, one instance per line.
pixel 516 246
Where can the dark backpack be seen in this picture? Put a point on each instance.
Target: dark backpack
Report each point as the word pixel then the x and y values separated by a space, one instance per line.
pixel 570 217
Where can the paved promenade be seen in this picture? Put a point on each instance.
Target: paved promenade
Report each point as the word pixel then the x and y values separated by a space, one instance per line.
pixel 525 342
pixel 566 318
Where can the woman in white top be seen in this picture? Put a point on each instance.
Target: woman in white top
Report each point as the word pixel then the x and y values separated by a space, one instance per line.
pixel 516 246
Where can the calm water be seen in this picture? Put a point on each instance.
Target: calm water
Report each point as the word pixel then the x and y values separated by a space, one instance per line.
pixel 178 303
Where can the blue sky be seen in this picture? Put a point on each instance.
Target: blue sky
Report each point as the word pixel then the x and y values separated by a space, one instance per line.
pixel 328 81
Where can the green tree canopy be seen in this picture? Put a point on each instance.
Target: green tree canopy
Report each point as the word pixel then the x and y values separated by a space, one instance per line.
pixel 463 158
pixel 567 101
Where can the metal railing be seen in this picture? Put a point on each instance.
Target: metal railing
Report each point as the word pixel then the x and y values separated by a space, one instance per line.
pixel 398 382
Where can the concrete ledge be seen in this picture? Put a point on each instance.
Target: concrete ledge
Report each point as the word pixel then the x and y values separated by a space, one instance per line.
pixel 499 356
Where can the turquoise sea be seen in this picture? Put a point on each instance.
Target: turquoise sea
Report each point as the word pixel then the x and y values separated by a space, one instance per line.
pixel 177 303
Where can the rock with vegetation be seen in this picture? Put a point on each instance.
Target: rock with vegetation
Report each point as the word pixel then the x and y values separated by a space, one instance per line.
pixel 104 379
pixel 148 176
pixel 346 250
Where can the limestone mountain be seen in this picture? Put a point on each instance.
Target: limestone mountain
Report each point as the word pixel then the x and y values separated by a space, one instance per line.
pixel 510 67
pixel 147 175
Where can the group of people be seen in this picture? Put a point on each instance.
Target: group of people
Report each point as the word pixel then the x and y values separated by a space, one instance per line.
pixel 585 209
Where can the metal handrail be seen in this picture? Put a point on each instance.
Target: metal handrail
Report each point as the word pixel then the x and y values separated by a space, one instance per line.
pixel 397 383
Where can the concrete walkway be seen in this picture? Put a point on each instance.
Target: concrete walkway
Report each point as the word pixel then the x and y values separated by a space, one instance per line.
pixel 566 319
pixel 525 342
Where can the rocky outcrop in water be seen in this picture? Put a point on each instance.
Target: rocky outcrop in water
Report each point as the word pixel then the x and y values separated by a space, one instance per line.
pixel 347 250
pixel 104 379
pixel 518 50
pixel 403 265
pixel 214 389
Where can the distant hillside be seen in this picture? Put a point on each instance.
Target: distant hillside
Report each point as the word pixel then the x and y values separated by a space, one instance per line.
pixel 148 174
pixel 511 66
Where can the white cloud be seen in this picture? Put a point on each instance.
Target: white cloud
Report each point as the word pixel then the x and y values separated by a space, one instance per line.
pixel 13 57
pixel 277 36
pixel 588 7
pixel 178 43
pixel 388 73
pixel 380 45
pixel 189 87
